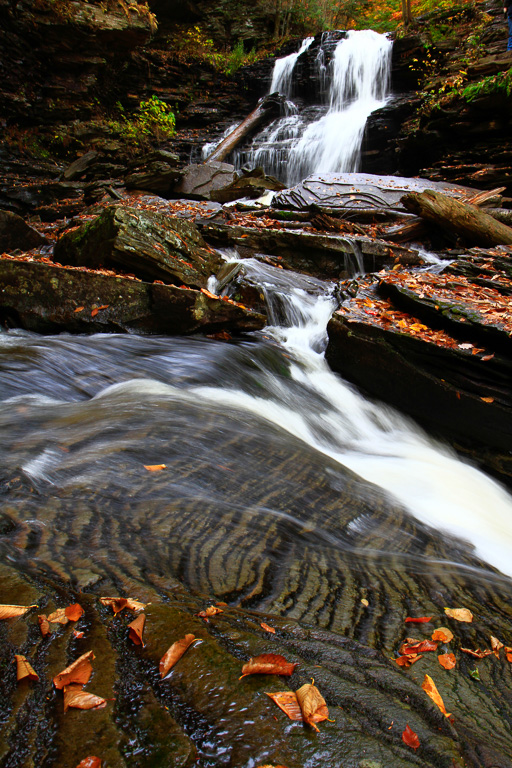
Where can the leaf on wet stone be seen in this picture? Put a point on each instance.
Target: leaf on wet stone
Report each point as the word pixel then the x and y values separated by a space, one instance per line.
pixel 268 664
pixel 78 672
pixel 90 762
pixel 312 704
pixel 155 467
pixel 496 646
pixel 422 646
pixel 74 612
pixel 418 620
pixel 478 654
pixel 410 738
pixel 136 630
pixel 508 653
pixel 174 653
pixel 288 703
pixel 78 634
pixel 459 614
pixel 14 611
pixel 44 625
pixel 408 659
pixel 442 635
pixel 212 610
pixel 447 660
pixel 430 689
pixel 120 603
pixel 267 628
pixel 77 698
pixel 24 668
pixel 58 616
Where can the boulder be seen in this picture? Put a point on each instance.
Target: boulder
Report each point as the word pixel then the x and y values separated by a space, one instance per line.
pixel 198 181
pixel 16 233
pixel 150 245
pixel 50 299
pixel 158 173
pixel 251 184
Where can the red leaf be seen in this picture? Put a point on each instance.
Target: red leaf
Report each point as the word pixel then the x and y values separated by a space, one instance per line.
pixel 420 620
pixel 410 738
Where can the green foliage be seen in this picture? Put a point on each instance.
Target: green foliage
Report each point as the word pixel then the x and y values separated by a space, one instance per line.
pixel 494 84
pixel 193 44
pixel 153 120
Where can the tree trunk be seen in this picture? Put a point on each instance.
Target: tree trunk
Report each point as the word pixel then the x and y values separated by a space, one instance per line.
pixel 406 12
pixel 267 108
pixel 475 226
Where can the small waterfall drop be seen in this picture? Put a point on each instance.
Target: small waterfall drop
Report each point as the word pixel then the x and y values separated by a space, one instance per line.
pixel 282 76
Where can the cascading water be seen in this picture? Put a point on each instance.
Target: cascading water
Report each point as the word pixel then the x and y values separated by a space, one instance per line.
pixel 325 138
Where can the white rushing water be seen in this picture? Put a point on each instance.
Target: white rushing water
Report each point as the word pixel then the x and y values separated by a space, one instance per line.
pixel 371 439
pixel 283 70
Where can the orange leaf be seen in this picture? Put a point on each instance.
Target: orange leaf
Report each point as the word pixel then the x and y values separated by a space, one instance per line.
pixel 460 614
pixel 212 610
pixel 268 664
pixel 410 738
pixel 487 399
pixel 267 628
pixel 312 704
pixel 13 611
pixel 136 629
pixel 409 659
pixel 97 309
pixel 447 660
pixel 430 689
pixel 119 603
pixel 73 612
pixel 79 309
pixel 496 645
pixel 44 625
pixel 155 467
pixel 77 672
pixel 24 669
pixel 78 634
pixel 442 635
pixel 58 617
pixel 508 653
pixel 478 654
pixel 75 697
pixel 420 647
pixel 287 701
pixel 209 294
pixel 420 620
pixel 90 762
pixel 174 653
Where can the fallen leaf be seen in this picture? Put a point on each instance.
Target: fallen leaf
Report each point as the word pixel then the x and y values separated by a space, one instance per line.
pixel 365 602
pixel 78 634
pixel 119 603
pixel 267 628
pixel 442 635
pixel 287 701
pixel 420 647
pixel 58 616
pixel 508 653
pixel 155 467
pixel 79 309
pixel 77 672
pixel 447 660
pixel 487 399
pixel 90 762
pixel 478 654
pixel 136 629
pixel 174 653
pixel 408 660
pixel 73 612
pixel 475 674
pixel 24 669
pixel 13 611
pixel 44 625
pixel 430 689
pixel 420 620
pixel 487 357
pixel 459 614
pixel 312 705
pixel 75 697
pixel 97 309
pixel 268 664
pixel 410 738
pixel 209 293
pixel 496 645
pixel 212 610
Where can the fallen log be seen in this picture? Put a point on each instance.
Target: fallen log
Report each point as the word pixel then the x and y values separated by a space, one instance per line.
pixel 267 108
pixel 475 226
pixel 416 227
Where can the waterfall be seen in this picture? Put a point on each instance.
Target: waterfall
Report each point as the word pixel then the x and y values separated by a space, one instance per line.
pixel 327 137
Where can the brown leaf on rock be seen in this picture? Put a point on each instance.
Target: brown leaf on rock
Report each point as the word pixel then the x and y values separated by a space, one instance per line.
pixel 174 653
pixel 478 654
pixel 44 625
pixel 459 614
pixel 58 616
pixel 24 669
pixel 447 660
pixel 13 611
pixel 75 697
pixel 442 635
pixel 267 628
pixel 408 660
pixel 410 738
pixel 78 672
pixel 90 762
pixel 212 610
pixel 496 646
pixel 74 612
pixel 312 705
pixel 287 701
pixel 268 664
pixel 136 630
pixel 430 689
pixel 419 620
pixel 119 603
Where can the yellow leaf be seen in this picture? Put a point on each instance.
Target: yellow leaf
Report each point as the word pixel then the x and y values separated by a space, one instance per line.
pixel 13 611
pixel 459 614
pixel 430 689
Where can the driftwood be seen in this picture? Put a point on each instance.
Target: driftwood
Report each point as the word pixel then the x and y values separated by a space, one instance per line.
pixel 415 228
pixel 453 215
pixel 267 108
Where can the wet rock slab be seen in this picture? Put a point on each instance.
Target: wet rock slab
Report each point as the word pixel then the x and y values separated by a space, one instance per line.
pixel 49 299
